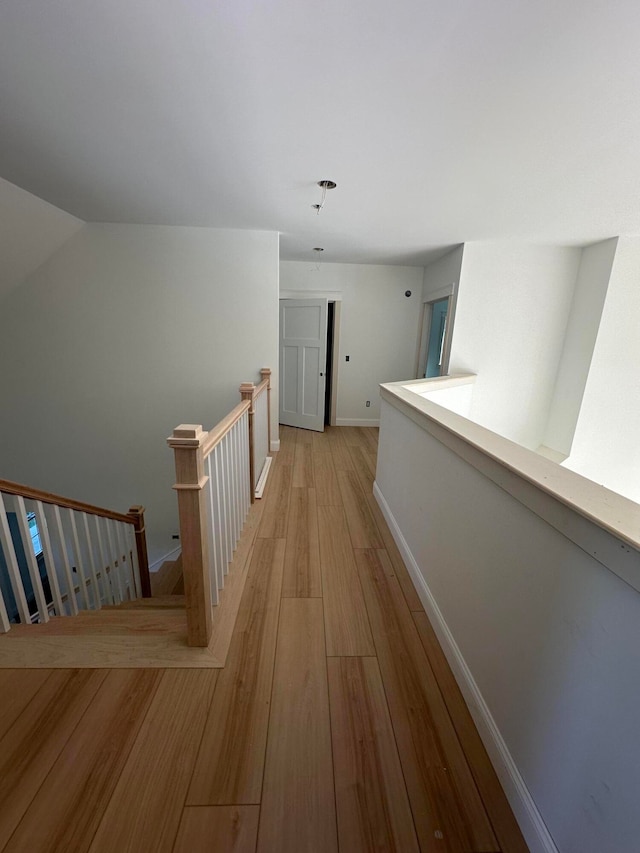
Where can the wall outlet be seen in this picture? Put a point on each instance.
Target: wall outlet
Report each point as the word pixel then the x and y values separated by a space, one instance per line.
pixel 368 403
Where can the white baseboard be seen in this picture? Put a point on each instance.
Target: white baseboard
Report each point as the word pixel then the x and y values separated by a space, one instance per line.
pixel 524 808
pixel 154 567
pixel 262 479
pixel 274 447
pixel 374 422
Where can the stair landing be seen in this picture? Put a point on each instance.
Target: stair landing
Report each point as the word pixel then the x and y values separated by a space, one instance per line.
pixel 146 633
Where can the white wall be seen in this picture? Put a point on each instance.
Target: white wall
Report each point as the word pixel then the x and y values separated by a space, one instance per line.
pixel 442 273
pixel 125 333
pixel 584 320
pixel 512 310
pixel 378 327
pixel 543 637
pixel 30 231
pixel 606 445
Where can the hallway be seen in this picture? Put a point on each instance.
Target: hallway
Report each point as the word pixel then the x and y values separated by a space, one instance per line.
pixel 336 724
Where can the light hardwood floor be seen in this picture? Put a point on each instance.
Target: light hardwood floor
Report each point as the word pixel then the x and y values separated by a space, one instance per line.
pixel 335 725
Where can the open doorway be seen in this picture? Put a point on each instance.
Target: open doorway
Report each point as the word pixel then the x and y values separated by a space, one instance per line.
pixel 331 313
pixel 435 334
pixel 435 339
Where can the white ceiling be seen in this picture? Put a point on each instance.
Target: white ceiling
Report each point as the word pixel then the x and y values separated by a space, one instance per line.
pixel 440 121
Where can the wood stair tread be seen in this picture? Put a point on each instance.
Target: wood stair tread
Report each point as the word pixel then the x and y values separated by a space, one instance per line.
pixel 158 601
pixel 165 580
pixel 114 621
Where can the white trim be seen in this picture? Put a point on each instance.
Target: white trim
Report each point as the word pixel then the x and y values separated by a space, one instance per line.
pixel 154 567
pixel 329 295
pixel 262 479
pixel 522 803
pixel 437 295
pixel 374 422
pixel 275 445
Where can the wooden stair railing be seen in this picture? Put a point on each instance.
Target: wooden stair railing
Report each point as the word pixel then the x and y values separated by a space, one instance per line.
pixel 59 555
pixel 216 477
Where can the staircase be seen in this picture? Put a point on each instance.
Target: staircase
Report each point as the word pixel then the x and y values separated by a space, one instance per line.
pixel 62 558
pixel 139 633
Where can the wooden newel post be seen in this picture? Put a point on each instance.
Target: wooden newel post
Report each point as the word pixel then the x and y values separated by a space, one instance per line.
pixel 266 374
pixel 247 390
pixel 187 441
pixel 137 514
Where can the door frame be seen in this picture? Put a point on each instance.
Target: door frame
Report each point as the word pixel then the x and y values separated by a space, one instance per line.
pixel 334 296
pixel 449 292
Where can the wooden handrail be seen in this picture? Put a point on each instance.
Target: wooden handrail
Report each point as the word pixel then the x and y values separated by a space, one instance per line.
pixel 29 493
pixel 263 386
pixel 219 431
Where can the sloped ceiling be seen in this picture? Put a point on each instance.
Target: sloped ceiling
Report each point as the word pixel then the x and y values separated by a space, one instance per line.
pixel 440 121
pixel 30 232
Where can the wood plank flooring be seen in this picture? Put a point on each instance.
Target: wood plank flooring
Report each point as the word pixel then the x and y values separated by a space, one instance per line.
pixel 335 725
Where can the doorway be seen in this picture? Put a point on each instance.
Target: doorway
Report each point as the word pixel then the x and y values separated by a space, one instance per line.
pixel 331 313
pixel 435 341
pixel 436 332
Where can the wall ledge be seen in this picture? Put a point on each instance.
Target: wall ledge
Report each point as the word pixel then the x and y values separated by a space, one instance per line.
pixel 604 524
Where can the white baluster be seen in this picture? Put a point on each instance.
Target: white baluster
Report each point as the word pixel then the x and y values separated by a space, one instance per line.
pixel 30 557
pixel 116 567
pixel 219 508
pixel 238 431
pixel 123 559
pixel 49 559
pixel 208 494
pixel 109 594
pixel 242 482
pixel 123 571
pixel 5 625
pixel 241 489
pixel 247 466
pixel 77 556
pixel 132 552
pixel 232 496
pixel 64 556
pixel 125 564
pixel 227 501
pixel 92 561
pixel 213 531
pixel 12 565
pixel 231 502
pixel 236 467
pixel 254 450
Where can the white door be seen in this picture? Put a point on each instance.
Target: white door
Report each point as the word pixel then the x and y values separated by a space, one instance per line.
pixel 303 357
